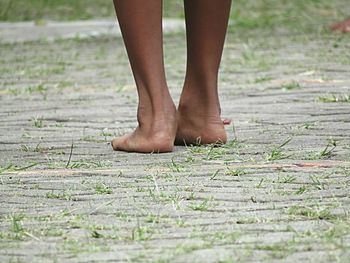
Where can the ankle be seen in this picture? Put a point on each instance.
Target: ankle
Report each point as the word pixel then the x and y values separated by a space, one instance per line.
pixel 157 108
pixel 203 109
pixel 200 100
pixel 156 121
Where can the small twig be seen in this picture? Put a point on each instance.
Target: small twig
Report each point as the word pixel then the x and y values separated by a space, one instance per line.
pixel 210 150
pixel 32 236
pixel 285 142
pixel 25 167
pixel 215 174
pixel 234 131
pixel 70 155
pixel 155 184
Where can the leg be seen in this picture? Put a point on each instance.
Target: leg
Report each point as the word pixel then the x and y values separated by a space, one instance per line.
pixel 198 114
pixel 141 25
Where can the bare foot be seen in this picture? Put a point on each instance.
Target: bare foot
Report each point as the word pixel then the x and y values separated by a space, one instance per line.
pixel 343 26
pixel 196 128
pixel 153 135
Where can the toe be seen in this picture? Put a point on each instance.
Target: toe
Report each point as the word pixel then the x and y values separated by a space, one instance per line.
pixel 118 144
pixel 114 144
pixel 226 121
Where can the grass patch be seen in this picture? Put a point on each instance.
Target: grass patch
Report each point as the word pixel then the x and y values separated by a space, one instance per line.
pixel 176 166
pixel 301 190
pixel 289 179
pixel 17 224
pixel 212 152
pixel 277 152
pixel 325 153
pixel 36 89
pixel 311 212
pixel 291 86
pixel 37 122
pixel 102 188
pixel 15 168
pixel 54 10
pixel 334 98
pixel 41 10
pixel 235 172
pixel 88 164
pixel 63 195
pixel 263 79
pixel 203 206
pixel 141 233
pixel 297 15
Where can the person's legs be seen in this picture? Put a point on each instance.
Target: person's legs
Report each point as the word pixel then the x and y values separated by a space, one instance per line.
pixel 141 25
pixel 198 115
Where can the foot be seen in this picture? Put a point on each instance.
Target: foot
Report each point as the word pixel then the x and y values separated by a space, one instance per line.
pixel 199 127
pixel 153 135
pixel 343 26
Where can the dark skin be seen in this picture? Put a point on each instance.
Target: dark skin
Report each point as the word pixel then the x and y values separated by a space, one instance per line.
pixel 343 26
pixel 197 119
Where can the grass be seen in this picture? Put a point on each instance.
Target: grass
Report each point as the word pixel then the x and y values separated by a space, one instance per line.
pixel 245 15
pixel 17 231
pixel 14 168
pixel 311 212
pixel 250 58
pixel 176 166
pixel 212 152
pixel 333 235
pixel 213 176
pixel 37 122
pixel 291 86
pixel 294 15
pixel 334 98
pixel 235 172
pixel 17 224
pixel 40 88
pixel 277 152
pixel 278 250
pixel 301 190
pixel 202 206
pixel 62 195
pixel 55 10
pixel 38 148
pixel 259 185
pixel 41 10
pixel 287 179
pixel 263 79
pixel 92 138
pixel 326 153
pixel 141 233
pixel 307 125
pixel 96 234
pixel 102 188
pixel 316 183
pixel 88 164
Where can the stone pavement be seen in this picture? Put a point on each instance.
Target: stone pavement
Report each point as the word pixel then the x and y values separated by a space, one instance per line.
pixel 51 30
pixel 278 191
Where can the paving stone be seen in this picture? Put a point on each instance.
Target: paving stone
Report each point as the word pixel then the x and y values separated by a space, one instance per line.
pixel 66 196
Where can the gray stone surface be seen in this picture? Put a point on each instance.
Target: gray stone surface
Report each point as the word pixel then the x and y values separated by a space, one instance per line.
pixel 51 30
pixel 65 196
